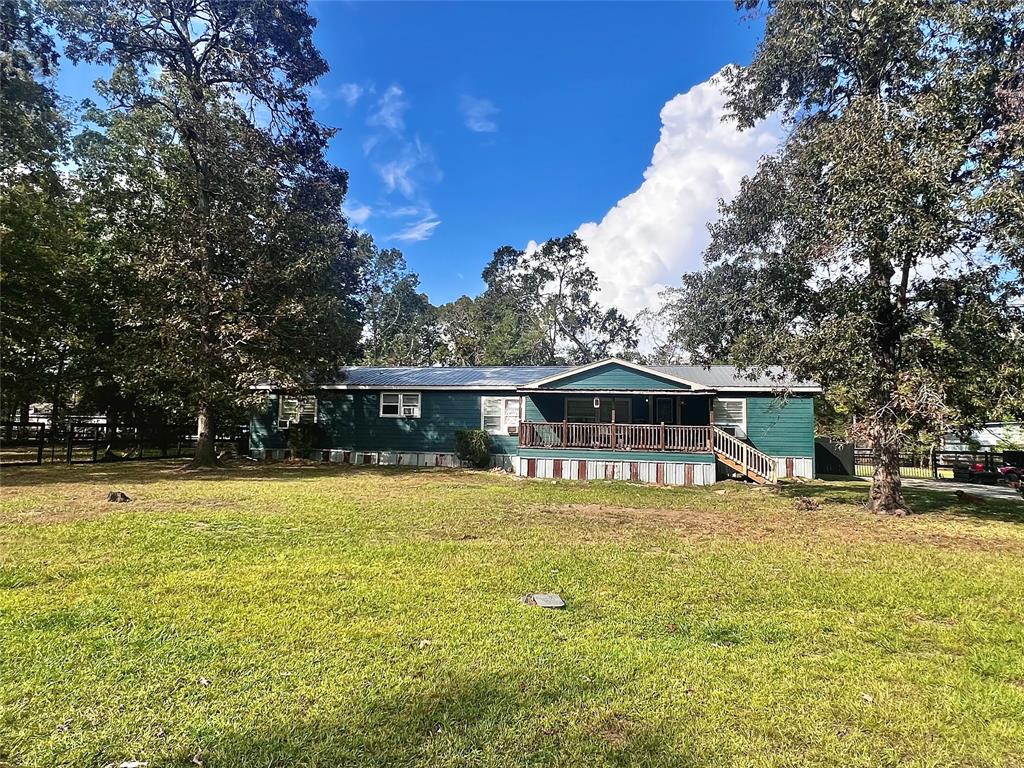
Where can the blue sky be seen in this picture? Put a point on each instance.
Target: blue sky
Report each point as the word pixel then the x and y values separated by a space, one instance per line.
pixel 466 126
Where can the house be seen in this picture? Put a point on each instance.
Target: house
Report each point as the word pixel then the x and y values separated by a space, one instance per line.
pixel 676 425
pixel 993 436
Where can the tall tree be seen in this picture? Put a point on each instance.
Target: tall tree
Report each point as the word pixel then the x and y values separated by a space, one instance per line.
pixel 510 311
pixel 243 263
pixel 399 324
pixel 537 309
pixel 579 329
pixel 34 208
pixel 879 251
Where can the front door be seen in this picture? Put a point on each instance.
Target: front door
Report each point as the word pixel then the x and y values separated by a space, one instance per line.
pixel 664 410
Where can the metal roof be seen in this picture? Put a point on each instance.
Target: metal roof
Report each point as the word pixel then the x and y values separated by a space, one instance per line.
pixel 512 376
pixel 508 376
pixel 717 376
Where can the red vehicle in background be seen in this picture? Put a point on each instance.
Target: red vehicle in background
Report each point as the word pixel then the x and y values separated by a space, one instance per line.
pixel 1009 473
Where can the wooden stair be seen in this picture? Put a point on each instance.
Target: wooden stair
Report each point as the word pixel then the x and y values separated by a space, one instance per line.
pixel 743 458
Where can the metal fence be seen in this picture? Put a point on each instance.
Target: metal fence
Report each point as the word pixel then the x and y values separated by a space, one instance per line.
pixel 961 465
pixel 84 442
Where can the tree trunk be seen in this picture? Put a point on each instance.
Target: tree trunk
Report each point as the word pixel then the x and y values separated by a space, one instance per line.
pixel 206 447
pixel 886 495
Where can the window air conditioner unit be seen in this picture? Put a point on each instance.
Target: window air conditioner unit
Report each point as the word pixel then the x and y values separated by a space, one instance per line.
pixel 283 423
pixel 513 429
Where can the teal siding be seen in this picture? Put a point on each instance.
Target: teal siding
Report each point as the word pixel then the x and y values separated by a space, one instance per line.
pixel 545 407
pixel 780 427
pixel 263 432
pixel 351 420
pixel 614 376
pixel 570 453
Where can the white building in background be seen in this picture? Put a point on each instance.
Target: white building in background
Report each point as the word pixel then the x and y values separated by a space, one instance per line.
pixel 992 436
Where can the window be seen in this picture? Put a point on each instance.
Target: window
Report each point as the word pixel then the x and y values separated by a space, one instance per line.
pixel 296 410
pixel 731 412
pixel 581 409
pixel 499 415
pixel 400 405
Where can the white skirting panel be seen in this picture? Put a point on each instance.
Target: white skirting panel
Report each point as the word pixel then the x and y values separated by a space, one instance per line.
pixel 799 466
pixel 660 472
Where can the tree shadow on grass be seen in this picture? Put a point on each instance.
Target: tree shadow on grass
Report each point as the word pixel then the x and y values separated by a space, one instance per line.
pixel 172 470
pixel 467 721
pixel 922 501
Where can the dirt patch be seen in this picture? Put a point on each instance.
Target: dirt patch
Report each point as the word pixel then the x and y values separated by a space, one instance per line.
pixel 614 729
pixel 840 523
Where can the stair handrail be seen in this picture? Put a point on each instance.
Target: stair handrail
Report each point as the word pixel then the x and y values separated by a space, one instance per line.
pixel 747 456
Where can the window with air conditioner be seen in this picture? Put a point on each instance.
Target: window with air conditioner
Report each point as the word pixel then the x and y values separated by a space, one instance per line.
pixel 499 415
pixel 731 415
pixel 295 410
pixel 400 405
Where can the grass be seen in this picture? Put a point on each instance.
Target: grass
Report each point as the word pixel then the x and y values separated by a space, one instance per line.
pixel 290 615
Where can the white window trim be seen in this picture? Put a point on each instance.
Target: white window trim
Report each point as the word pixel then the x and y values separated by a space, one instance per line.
pixel 742 401
pixel 401 397
pixel 504 426
pixel 280 409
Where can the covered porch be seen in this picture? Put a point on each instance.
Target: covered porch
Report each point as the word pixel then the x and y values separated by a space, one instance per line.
pixel 616 437
pixel 620 419
pixel 677 422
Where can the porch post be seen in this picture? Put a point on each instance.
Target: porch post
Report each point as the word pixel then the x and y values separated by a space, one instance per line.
pixel 661 437
pixel 613 425
pixel 565 433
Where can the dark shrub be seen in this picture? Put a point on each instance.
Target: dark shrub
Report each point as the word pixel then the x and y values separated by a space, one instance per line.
pixel 303 438
pixel 473 447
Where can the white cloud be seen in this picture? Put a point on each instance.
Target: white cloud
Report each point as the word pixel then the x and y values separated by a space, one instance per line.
pixel 357 213
pixel 405 165
pixel 350 92
pixel 479 114
pixel 389 111
pixel 404 173
pixel 404 211
pixel 659 231
pixel 419 230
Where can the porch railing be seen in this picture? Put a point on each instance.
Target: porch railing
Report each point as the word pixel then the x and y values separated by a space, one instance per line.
pixel 745 458
pixel 615 437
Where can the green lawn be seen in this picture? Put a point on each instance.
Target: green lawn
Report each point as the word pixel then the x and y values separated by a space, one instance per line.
pixel 305 615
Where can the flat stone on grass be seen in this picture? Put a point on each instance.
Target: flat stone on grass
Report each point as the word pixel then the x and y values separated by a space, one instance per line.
pixel 544 600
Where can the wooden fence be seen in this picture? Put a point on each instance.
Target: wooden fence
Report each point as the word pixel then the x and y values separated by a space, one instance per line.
pixel 84 442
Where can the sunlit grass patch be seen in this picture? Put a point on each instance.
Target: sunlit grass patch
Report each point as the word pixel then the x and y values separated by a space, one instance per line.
pixel 320 615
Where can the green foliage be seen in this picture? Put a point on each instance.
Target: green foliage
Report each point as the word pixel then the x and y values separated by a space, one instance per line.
pixel 36 271
pixel 473 446
pixel 537 309
pixel 211 199
pixel 870 252
pixel 398 321
pixel 304 437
